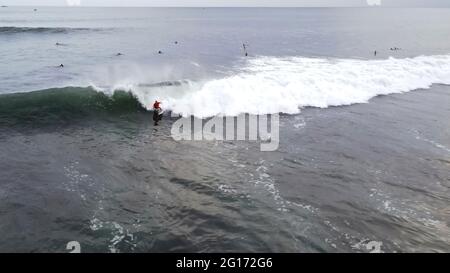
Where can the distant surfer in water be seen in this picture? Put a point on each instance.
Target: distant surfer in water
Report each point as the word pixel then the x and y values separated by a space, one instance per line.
pixel 375 53
pixel 245 49
pixel 61 65
pixel 157 112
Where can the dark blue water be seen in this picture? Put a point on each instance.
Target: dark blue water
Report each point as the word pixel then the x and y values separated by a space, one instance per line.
pixel 79 165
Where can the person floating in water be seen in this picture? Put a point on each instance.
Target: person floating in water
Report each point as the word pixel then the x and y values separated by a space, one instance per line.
pixel 157 112
pixel 119 54
pixel 160 52
pixel 61 65
pixel 176 42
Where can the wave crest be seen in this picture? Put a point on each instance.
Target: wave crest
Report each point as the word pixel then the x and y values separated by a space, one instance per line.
pixel 285 85
pixel 264 85
pixel 37 30
pixel 64 104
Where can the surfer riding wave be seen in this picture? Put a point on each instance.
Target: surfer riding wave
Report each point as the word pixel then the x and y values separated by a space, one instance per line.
pixel 157 112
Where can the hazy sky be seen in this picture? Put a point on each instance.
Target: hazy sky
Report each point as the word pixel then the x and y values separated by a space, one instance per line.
pixel 281 3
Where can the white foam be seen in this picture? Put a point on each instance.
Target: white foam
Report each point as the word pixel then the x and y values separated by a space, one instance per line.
pixel 285 85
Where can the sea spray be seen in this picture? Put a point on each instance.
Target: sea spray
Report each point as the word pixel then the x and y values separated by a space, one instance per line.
pixel 267 85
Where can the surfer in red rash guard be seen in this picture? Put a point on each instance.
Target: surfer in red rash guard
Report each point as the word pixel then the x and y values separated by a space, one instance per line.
pixel 157 112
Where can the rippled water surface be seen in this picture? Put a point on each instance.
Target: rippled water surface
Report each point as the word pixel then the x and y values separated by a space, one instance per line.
pixel 364 157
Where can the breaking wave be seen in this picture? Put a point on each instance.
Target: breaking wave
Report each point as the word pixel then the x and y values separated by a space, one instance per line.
pixel 262 85
pixel 64 105
pixel 285 85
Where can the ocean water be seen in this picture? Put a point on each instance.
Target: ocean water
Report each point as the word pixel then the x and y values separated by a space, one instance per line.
pixel 364 155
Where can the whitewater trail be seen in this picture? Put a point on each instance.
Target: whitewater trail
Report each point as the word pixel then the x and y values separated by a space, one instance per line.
pixel 285 85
